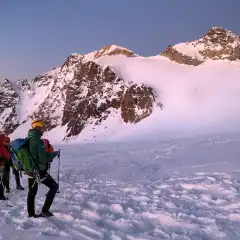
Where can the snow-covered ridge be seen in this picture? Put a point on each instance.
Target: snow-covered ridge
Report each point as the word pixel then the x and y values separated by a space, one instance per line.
pixel 216 44
pixel 108 51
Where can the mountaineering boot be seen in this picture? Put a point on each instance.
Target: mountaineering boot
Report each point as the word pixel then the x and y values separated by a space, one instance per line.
pixel 45 214
pixel 3 198
pixel 19 187
pixel 32 215
pixel 17 178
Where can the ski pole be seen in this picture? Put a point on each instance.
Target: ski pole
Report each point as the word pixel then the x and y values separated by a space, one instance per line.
pixel 58 170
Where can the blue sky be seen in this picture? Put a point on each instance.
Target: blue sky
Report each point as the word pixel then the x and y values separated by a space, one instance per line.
pixel 38 35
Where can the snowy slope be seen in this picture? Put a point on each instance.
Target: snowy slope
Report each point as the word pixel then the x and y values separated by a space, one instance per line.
pixel 183 189
pixel 200 98
pixel 194 99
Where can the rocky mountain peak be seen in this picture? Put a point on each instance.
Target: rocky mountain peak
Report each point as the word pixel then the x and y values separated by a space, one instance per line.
pixel 5 83
pixel 221 36
pixel 109 50
pixel 114 50
pixel 72 60
pixel 218 43
pixel 23 85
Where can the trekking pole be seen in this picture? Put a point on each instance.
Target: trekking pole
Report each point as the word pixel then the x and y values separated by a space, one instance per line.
pixel 59 160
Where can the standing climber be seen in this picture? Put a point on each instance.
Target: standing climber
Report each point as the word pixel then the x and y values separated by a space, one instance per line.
pixel 41 158
pixel 8 165
pixel 4 157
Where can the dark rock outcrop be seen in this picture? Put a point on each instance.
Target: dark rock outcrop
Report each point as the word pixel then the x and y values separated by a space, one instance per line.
pixel 9 100
pixel 95 91
pixel 176 56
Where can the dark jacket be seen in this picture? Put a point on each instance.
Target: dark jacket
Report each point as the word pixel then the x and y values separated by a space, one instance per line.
pixel 38 151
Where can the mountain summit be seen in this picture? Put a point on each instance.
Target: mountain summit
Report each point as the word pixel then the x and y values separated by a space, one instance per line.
pixel 216 44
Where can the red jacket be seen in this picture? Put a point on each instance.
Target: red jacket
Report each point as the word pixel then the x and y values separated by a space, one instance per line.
pixel 4 153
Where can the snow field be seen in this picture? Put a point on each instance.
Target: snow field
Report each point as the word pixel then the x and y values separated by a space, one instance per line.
pixel 179 189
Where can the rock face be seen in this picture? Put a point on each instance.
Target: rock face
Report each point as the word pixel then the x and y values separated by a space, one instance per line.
pixel 9 100
pixel 77 94
pixel 94 91
pixel 217 44
pixel 179 57
pixel 138 102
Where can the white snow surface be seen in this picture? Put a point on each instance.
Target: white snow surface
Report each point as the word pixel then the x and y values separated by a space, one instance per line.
pixel 179 189
pixel 195 99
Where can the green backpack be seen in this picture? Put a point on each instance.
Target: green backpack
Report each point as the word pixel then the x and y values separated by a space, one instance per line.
pixel 25 158
pixel 20 148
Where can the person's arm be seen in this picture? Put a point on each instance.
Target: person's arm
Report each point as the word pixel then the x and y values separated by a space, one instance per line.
pixel 42 154
pixel 52 155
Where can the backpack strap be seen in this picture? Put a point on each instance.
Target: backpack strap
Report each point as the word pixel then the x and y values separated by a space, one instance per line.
pixel 35 174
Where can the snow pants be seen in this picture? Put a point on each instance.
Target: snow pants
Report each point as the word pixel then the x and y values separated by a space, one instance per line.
pixel 2 171
pixel 6 176
pixel 33 189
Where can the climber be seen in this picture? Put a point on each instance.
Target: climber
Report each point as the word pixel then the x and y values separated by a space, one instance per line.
pixel 4 157
pixel 6 176
pixel 41 158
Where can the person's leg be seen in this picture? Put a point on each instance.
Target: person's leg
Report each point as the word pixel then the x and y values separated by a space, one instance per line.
pixel 6 181
pixel 17 178
pixel 32 192
pixel 2 197
pixel 6 176
pixel 53 187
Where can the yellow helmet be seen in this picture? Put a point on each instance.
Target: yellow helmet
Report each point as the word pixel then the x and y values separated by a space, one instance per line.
pixel 38 123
